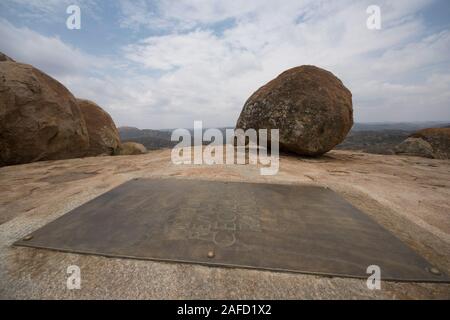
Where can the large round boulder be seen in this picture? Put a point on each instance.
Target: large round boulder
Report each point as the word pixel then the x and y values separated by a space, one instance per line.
pixel 428 143
pixel 39 118
pixel 103 135
pixel 310 106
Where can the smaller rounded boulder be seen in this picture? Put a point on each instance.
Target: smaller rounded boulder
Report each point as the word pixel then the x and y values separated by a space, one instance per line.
pixel 103 134
pixel 131 148
pixel 428 143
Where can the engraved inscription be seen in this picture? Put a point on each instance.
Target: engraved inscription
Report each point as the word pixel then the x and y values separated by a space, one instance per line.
pixel 220 223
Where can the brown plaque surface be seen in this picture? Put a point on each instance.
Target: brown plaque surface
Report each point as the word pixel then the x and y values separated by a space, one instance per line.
pixel 264 226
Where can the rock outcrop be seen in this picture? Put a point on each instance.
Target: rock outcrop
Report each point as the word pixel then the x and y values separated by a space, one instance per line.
pixel 4 57
pixel 310 106
pixel 103 135
pixel 39 118
pixel 428 143
pixel 131 148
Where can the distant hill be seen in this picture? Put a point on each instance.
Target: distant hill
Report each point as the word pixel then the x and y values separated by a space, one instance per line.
pixel 151 139
pixel 378 142
pixel 154 139
pixel 129 132
pixel 404 126
pixel 382 138
pixel 378 138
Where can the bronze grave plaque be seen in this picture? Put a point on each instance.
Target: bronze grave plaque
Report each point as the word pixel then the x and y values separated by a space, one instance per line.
pixel 292 228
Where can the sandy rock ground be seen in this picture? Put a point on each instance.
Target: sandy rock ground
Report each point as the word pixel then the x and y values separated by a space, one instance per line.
pixel 407 195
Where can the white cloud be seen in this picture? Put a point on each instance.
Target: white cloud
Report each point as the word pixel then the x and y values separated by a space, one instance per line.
pixel 47 10
pixel 213 74
pixel 47 53
pixel 184 14
pixel 194 71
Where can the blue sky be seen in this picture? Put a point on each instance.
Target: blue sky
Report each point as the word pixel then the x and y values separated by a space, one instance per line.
pixel 164 64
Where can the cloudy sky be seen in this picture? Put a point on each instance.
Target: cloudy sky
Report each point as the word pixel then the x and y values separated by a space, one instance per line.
pixel 164 64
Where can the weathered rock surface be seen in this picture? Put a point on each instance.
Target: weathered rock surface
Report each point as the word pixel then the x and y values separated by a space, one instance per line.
pixel 428 143
pixel 310 106
pixel 131 148
pixel 408 196
pixel 103 135
pixel 39 118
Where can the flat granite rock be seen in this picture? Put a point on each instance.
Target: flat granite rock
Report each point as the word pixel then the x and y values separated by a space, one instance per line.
pixel 305 229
